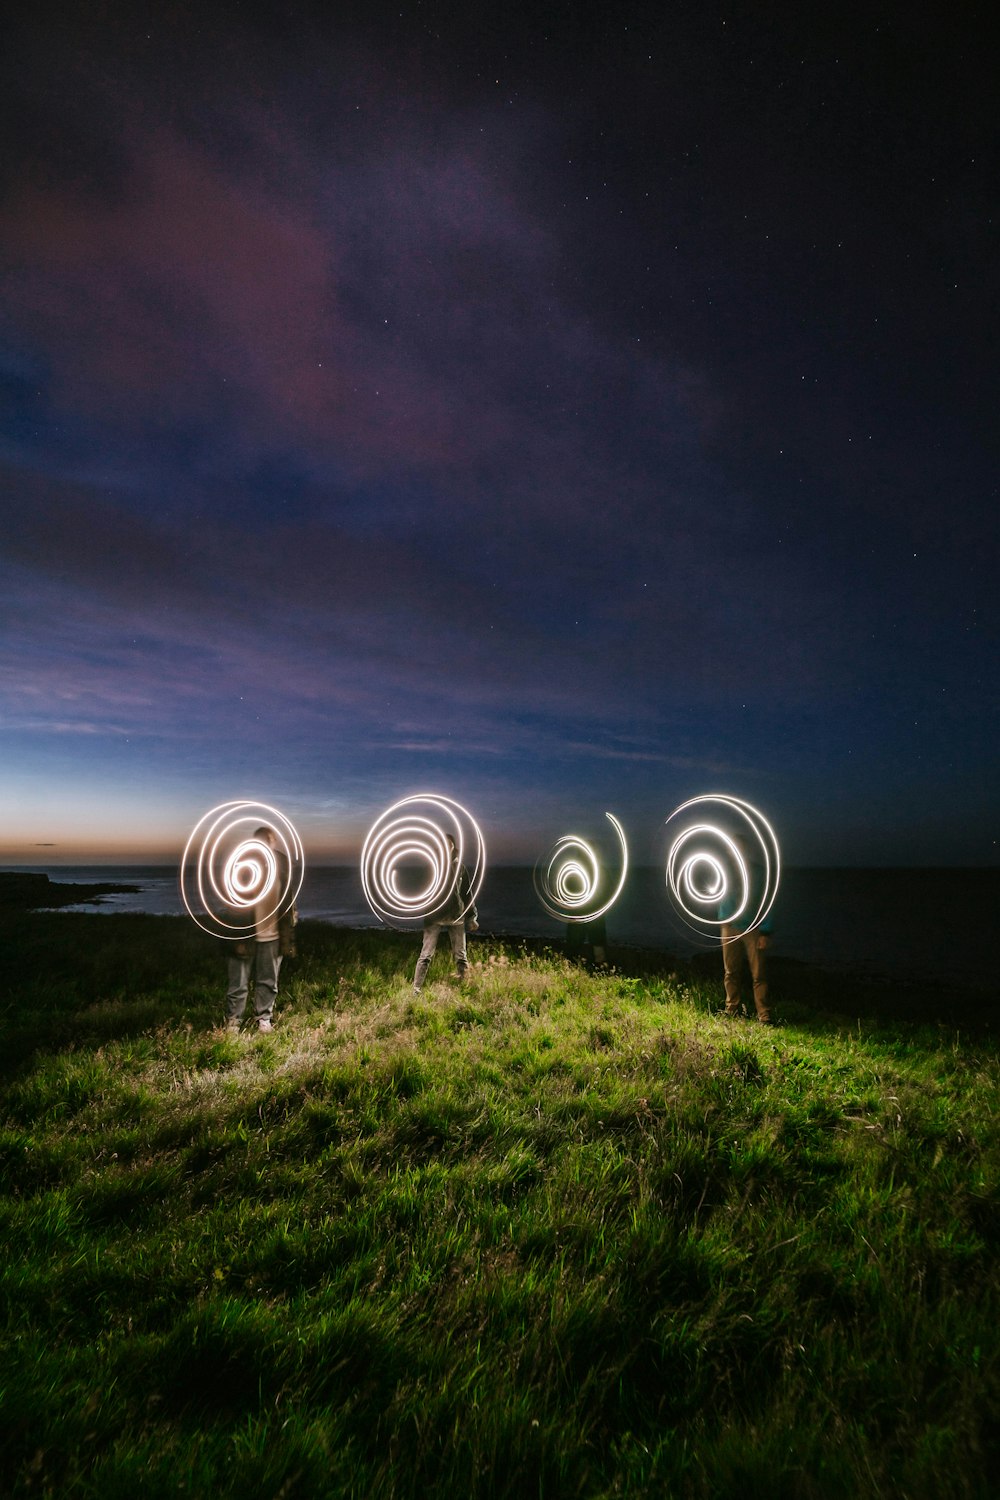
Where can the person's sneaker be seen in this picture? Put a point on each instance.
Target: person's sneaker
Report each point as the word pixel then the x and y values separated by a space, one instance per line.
pixel 264 1023
pixel 233 1024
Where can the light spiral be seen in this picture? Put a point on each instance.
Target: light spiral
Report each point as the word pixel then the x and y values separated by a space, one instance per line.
pixel 231 877
pixel 569 881
pixel 723 864
pixel 407 870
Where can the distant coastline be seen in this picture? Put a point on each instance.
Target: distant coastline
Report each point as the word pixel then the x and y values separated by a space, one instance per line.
pixel 898 925
pixel 26 891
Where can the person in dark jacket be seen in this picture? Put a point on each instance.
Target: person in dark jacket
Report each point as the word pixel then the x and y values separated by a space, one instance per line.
pixel 452 918
pixel 273 940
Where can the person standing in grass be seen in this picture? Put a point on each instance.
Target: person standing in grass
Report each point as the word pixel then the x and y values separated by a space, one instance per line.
pixel 273 940
pixel 746 949
pixel 743 949
pixel 451 918
pixel 588 940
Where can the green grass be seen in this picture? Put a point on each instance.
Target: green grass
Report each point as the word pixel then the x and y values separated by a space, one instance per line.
pixel 550 1234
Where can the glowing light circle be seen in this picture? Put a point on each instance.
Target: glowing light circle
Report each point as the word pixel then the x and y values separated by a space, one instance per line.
pixel 407 871
pixel 231 878
pixel 723 864
pixel 568 878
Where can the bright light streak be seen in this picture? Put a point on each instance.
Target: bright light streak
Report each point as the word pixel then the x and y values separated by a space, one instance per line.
pixel 410 839
pixel 709 866
pixel 568 878
pixel 228 873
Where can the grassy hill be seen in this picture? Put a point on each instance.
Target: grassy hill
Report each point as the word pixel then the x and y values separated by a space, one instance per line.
pixel 549 1234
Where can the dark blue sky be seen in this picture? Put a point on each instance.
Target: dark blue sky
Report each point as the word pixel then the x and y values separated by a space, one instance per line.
pixel 562 410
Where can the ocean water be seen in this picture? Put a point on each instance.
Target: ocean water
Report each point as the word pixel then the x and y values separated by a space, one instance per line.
pixel 928 925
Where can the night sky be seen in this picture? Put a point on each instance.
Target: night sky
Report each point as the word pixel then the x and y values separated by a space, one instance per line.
pixel 562 409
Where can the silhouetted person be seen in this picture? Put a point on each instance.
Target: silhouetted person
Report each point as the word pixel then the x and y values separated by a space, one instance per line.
pixel 588 940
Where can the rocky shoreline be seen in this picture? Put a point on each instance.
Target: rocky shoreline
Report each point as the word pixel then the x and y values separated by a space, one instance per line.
pixel 30 892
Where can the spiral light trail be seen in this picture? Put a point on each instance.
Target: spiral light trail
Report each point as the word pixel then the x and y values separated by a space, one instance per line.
pixel 723 864
pixel 406 866
pixel 568 878
pixel 230 878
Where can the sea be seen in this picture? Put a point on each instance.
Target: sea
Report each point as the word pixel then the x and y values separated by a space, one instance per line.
pixel 924 926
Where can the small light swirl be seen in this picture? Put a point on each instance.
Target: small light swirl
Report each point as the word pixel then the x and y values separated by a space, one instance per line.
pixel 231 879
pixel 407 871
pixel 722 872
pixel 568 878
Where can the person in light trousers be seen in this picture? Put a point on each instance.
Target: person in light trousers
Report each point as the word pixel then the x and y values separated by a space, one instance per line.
pixel 273 940
pixel 452 918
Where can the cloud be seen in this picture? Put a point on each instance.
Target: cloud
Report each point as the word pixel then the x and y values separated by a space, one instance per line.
pixel 326 450
pixel 389 311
